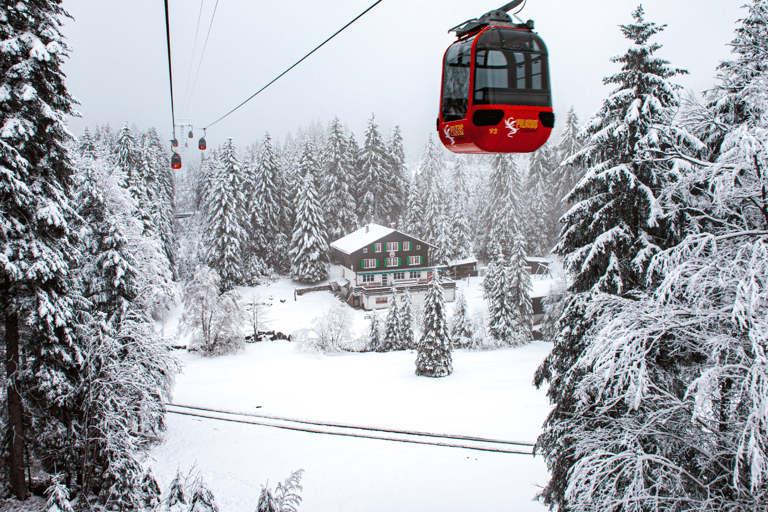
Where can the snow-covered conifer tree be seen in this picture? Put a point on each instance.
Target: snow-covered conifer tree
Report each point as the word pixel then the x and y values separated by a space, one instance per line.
pixel 373 181
pixel 391 340
pixel 225 208
pixel 431 183
pixel 309 245
pixel 614 230
pixel 373 337
pixel 502 316
pixel 461 326
pixel 338 187
pixel 37 254
pixel 398 185
pixel 501 214
pixel 433 357
pixel 405 323
pixel 688 356
pixel 567 175
pixel 541 221
pixel 415 212
pixel 460 230
pixel 519 293
pixel 269 198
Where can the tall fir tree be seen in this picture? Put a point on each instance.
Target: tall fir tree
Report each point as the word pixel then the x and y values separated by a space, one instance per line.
pixel 37 254
pixel 373 180
pixel 567 174
pixel 433 354
pixel 338 186
pixel 502 314
pixel 519 294
pixel 391 340
pixel 501 213
pixel 460 230
pixel 268 197
pixel 309 244
pixel 431 178
pixel 373 336
pixel 614 230
pixel 461 327
pixel 405 322
pixel 399 182
pixel 226 235
pixel 541 222
pixel 159 175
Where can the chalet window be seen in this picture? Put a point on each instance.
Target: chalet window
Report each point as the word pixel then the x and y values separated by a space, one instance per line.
pixel 381 300
pixel 365 251
pixel 371 263
pixel 418 247
pixel 393 246
pixel 414 260
pixel 367 278
pixel 377 247
pixel 393 262
pixel 415 275
pixel 398 275
pixel 406 246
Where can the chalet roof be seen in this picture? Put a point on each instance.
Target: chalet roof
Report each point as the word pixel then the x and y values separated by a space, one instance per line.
pixel 365 236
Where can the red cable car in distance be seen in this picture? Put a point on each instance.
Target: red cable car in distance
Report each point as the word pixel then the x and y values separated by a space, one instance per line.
pixel 176 161
pixel 495 95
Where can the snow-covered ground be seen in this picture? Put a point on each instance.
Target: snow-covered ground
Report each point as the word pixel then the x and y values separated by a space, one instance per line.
pixel 489 395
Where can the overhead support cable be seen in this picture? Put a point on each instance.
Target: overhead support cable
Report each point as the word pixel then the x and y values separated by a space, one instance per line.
pixel 170 67
pixel 202 56
pixel 192 60
pixel 296 63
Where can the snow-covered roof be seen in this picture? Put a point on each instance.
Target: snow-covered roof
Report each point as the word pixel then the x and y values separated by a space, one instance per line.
pixel 537 259
pixel 363 237
pixel 465 261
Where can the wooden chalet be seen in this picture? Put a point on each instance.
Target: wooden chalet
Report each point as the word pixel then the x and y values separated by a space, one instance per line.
pixel 377 261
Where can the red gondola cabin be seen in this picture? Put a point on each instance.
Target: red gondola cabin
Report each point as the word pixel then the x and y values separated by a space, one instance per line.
pixel 495 93
pixel 176 161
pixel 201 143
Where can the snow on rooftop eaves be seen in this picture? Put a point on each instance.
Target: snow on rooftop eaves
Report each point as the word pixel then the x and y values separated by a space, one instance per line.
pixel 363 237
pixel 464 261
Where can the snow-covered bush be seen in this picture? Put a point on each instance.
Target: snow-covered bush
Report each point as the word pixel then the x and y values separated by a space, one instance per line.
pixel 256 312
pixel 58 496
pixel 305 340
pixel 213 319
pixel 333 329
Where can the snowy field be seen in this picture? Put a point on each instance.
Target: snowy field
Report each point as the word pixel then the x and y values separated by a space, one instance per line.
pixel 489 395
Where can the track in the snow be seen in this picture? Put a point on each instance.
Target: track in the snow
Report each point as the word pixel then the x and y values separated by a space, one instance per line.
pixel 340 429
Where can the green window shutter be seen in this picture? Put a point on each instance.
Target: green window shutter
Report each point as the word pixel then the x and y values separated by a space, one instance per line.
pixel 377 263
pixel 421 260
pixel 398 262
pixel 362 263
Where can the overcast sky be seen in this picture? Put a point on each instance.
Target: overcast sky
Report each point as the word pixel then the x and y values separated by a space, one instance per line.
pixel 388 63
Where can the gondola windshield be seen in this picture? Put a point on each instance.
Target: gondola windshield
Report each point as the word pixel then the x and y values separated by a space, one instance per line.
pixel 511 69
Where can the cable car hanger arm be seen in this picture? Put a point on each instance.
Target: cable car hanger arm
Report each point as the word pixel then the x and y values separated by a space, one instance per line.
pixel 499 14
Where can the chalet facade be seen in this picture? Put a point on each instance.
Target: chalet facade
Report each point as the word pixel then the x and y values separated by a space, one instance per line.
pixel 375 259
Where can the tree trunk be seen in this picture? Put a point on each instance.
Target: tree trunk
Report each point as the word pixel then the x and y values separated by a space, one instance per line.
pixel 15 410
